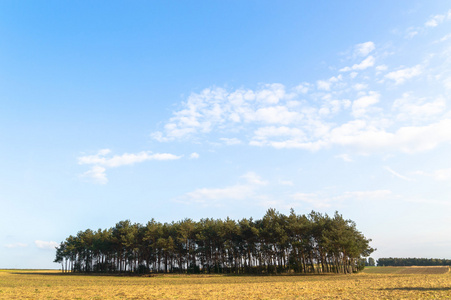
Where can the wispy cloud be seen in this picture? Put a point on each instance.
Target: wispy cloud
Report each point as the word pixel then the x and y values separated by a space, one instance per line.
pixel 16 245
pixel 124 159
pixel 322 200
pixel 230 141
pixel 97 174
pixel 364 49
pixel 401 75
pixel 46 245
pixel 438 19
pixel 443 175
pixel 431 23
pixel 194 155
pixel 245 190
pixel 396 174
pixel 365 64
pixel 344 157
pixel 362 105
pixel 101 162
pixel 439 175
pixel 286 182
pixel 412 108
pixel 251 187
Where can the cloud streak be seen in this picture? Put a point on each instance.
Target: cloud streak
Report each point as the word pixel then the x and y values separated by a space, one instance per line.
pixel 16 245
pixel 401 75
pixel 245 190
pixel 101 162
pixel 51 245
pixel 396 174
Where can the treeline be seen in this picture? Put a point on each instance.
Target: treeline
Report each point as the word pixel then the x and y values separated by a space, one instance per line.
pixel 313 243
pixel 405 262
pixel 370 262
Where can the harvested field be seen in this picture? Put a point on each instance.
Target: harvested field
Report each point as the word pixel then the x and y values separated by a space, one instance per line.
pixel 16 284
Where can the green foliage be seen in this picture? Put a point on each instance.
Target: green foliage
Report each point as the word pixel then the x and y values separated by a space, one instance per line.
pixel 395 262
pixel 371 262
pixel 313 243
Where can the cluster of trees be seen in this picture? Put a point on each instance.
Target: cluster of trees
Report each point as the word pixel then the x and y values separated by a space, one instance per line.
pixel 404 262
pixel 313 243
pixel 370 262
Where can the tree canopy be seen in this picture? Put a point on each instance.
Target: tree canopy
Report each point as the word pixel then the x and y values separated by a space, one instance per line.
pixel 405 262
pixel 313 243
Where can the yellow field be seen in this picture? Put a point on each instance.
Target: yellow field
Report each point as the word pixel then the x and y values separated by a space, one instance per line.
pixel 15 284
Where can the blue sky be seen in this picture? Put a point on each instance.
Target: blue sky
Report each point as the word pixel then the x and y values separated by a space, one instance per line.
pixel 140 110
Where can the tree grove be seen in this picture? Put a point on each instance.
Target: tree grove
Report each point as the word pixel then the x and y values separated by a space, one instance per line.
pixel 313 243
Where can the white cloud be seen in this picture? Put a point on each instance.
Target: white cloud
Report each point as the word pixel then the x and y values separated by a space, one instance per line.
pixel 362 116
pixel 322 200
pixel 46 245
pixel 345 157
pixel 302 88
pixel 16 245
pixel 103 152
pixel 366 195
pixel 361 105
pixel 275 115
pixel 327 84
pixel 286 182
pixel 333 107
pixel 411 108
pixel 210 195
pixel 100 162
pixel 362 50
pixel 325 199
pixel 282 137
pixel 323 85
pixel 360 86
pixel 365 64
pixel 445 38
pixel 97 174
pixel 410 139
pixel 215 196
pixel 439 175
pixel 432 22
pixel 365 48
pixel 272 94
pixel 411 32
pixel 359 135
pixel 194 155
pixel 124 159
pixel 400 76
pixel 443 175
pixel 254 179
pixel 435 20
pixel 230 141
pixel 263 133
pixel 447 83
pixel 396 174
pixel 218 109
pixel 381 68
pixel 312 198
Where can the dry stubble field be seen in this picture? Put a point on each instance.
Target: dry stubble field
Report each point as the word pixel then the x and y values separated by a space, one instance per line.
pixel 373 283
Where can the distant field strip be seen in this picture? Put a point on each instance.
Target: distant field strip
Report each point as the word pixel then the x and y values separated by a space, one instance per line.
pixel 21 284
pixel 407 270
